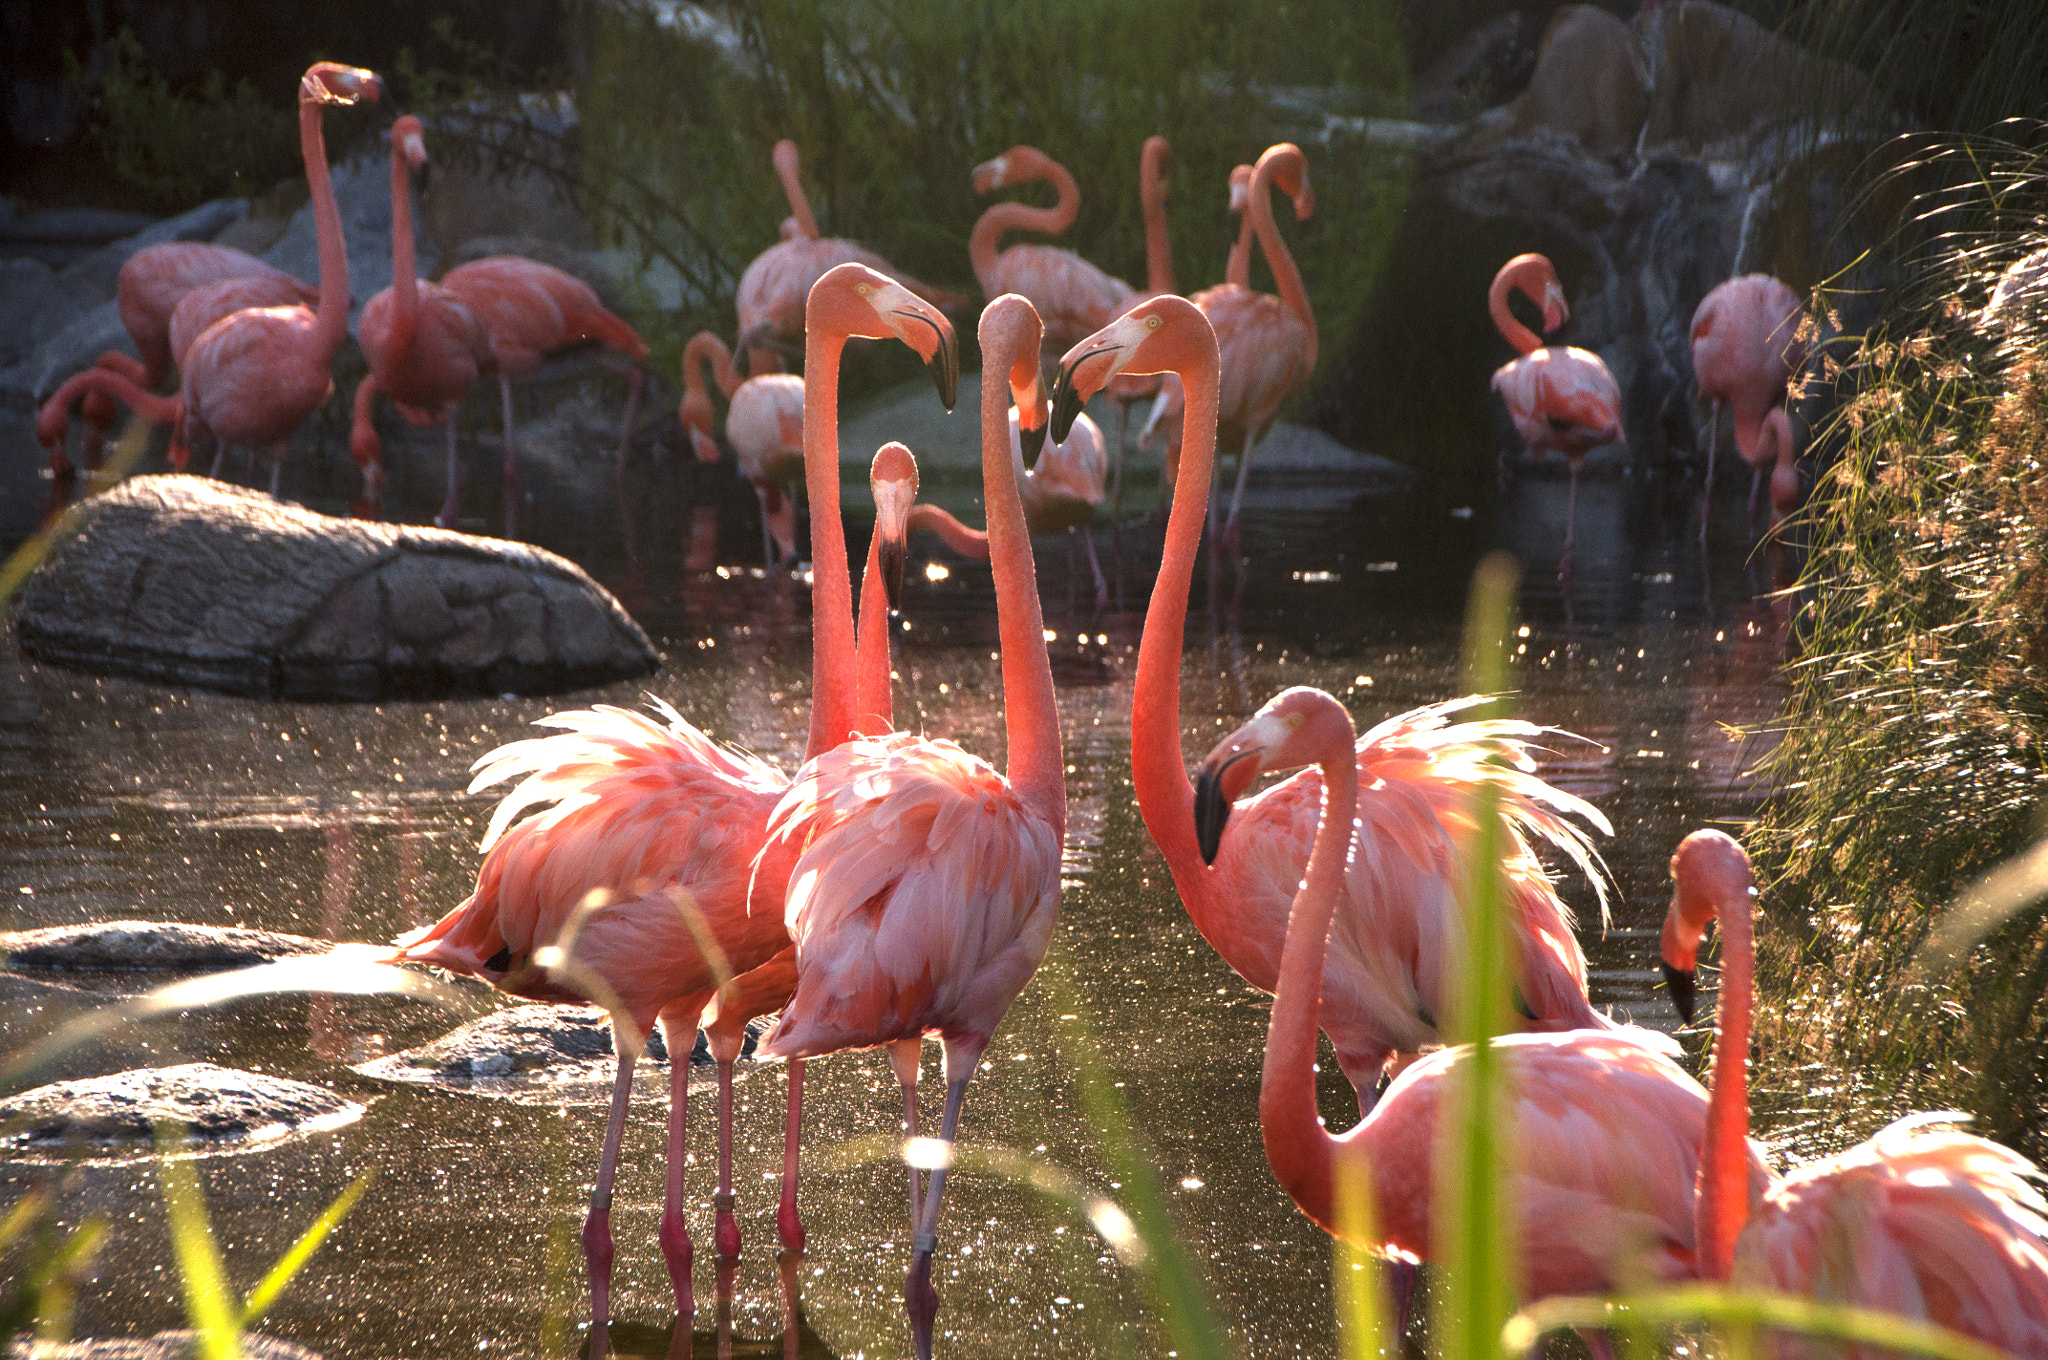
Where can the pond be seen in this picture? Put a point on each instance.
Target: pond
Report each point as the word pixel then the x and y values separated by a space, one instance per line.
pixel 119 799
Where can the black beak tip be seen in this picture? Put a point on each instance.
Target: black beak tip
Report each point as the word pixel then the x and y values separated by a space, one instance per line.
pixel 894 557
pixel 1212 812
pixel 1033 442
pixel 1066 407
pixel 945 371
pixel 1683 989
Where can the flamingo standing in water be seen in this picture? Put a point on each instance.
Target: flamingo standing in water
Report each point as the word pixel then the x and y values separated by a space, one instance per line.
pixel 773 291
pixel 1398 949
pixel 764 421
pixel 1071 295
pixel 424 345
pixel 1153 159
pixel 1606 1130
pixel 1558 397
pixel 1775 449
pixel 255 375
pixel 1920 1220
pixel 924 883
pixel 1745 349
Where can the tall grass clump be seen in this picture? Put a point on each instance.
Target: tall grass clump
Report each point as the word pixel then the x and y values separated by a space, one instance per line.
pixel 1913 755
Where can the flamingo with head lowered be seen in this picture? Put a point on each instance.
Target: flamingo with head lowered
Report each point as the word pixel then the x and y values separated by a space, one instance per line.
pixel 764 422
pixel 1745 348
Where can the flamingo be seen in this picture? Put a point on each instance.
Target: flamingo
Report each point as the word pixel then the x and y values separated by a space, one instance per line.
pixel 531 310
pixel 424 345
pixel 1237 268
pixel 1061 493
pixel 1558 397
pixel 1153 159
pixel 1921 1220
pixel 1396 953
pixel 633 889
pixel 765 422
pixel 772 294
pixel 1775 448
pixel 925 883
pixel 1745 349
pixel 1606 1128
pixel 1070 294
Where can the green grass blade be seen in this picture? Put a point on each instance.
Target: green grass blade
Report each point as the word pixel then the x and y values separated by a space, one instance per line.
pixel 1748 1310
pixel 24 1215
pixel 209 1305
pixel 1361 1321
pixel 288 1265
pixel 56 1285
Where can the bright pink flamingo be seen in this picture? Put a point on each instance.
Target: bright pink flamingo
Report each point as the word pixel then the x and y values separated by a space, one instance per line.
pixel 424 345
pixel 1268 343
pixel 1607 1129
pixel 1558 397
pixel 1745 349
pixel 1920 1220
pixel 531 310
pixel 254 376
pixel 925 883
pixel 773 290
pixel 1073 296
pixel 765 423
pixel 1396 954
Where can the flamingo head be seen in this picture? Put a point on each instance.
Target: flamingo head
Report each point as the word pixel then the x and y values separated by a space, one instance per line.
pixel 1159 335
pixel 1018 165
pixel 1030 412
pixel 1290 176
pixel 854 300
pixel 789 229
pixel 1240 187
pixel 1709 872
pixel 1152 162
pixel 329 82
pixel 1296 727
pixel 893 479
pixel 408 138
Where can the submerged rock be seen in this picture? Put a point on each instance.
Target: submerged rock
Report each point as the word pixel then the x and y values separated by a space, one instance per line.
pixel 521 1045
pixel 189 581
pixel 148 946
pixel 178 1345
pixel 216 1106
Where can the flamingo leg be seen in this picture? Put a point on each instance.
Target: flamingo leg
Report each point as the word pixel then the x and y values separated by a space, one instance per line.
pixel 1095 565
pixel 511 481
pixel 920 1300
pixel 767 534
pixel 220 453
pixel 1116 462
pixel 597 1227
pixel 1571 513
pixel 1713 439
pixel 674 1233
pixel 905 1056
pixel 726 1227
pixel 787 1225
pixel 277 457
pixel 1232 535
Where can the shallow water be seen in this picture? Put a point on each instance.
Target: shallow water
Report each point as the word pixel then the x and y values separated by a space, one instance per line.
pixel 122 800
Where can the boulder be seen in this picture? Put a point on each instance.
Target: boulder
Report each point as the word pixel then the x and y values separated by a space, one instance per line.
pixel 99 271
pixel 75 347
pixel 189 581
pixel 36 302
pixel 519 1046
pixel 1716 74
pixel 1590 82
pixel 162 947
pixel 216 1106
pixel 178 1345
pixel 57 236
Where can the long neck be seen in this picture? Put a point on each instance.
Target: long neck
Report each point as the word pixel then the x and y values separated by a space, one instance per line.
pixel 706 348
pixel 961 539
pixel 1238 268
pixel 1722 1202
pixel 1285 274
pixel 1159 776
pixel 799 205
pixel 1298 1148
pixel 331 326
pixel 1031 719
pixel 1158 248
pixel 1006 217
pixel 832 660
pixel 55 417
pixel 874 704
pixel 1514 332
pixel 405 286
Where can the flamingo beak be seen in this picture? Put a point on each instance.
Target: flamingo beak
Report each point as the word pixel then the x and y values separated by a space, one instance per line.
pixel 893 500
pixel 1555 310
pixel 1682 983
pixel 988 175
pixel 941 350
pixel 1032 440
pixel 1213 803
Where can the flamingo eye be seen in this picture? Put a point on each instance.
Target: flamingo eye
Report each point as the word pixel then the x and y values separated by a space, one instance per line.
pixel 1152 323
pixel 862 289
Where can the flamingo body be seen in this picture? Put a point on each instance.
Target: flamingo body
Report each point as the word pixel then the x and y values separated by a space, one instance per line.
pixel 1745 348
pixel 252 378
pixel 765 424
pixel 1561 399
pixel 532 309
pixel 154 280
pixel 1268 352
pixel 1074 296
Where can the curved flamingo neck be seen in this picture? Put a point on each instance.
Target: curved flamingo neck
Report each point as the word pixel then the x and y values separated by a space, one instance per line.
pixel 990 227
pixel 793 189
pixel 1511 279
pixel 1285 274
pixel 957 536
pixel 1237 268
pixel 1721 1205
pixel 54 420
pixel 1152 194
pixel 1298 1148
pixel 1159 778
pixel 706 348
pixel 405 288
pixel 874 703
pixel 1031 720
pixel 330 327
pixel 833 673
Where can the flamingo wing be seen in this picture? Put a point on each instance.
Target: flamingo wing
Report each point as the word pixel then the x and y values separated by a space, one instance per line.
pixel 1073 297
pixel 765 426
pixel 1266 352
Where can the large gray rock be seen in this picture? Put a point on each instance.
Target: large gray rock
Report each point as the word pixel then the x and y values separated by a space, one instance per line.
pixel 515 1047
pixel 190 581
pixel 76 346
pixel 362 196
pixel 101 270
pixel 165 947
pixel 178 1345
pixel 36 302
pixel 215 1106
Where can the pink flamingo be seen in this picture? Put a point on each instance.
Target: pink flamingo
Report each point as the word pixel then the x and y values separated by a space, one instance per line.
pixel 424 344
pixel 1920 1220
pixel 1558 397
pixel 925 883
pixel 1268 343
pixel 773 290
pixel 1153 159
pixel 1774 448
pixel 254 376
pixel 1607 1128
pixel 1073 296
pixel 1237 268
pixel 633 889
pixel 1396 955
pixel 531 310
pixel 765 422
pixel 1745 349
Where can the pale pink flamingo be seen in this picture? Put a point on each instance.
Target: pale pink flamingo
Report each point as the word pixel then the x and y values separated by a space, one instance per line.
pixel 1920 1220
pixel 1396 954
pixel 1606 1129
pixel 424 345
pixel 1070 294
pixel 925 883
pixel 1153 159
pixel 1775 449
pixel 255 375
pixel 531 310
pixel 1558 397
pixel 764 421
pixel 633 889
pixel 772 292
pixel 1745 348
pixel 1237 268
pixel 1061 492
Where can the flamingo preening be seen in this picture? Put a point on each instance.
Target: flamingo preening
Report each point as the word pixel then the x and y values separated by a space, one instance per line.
pixel 1390 974
pixel 1558 397
pixel 1745 348
pixel 1921 1220
pixel 923 883
pixel 764 422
